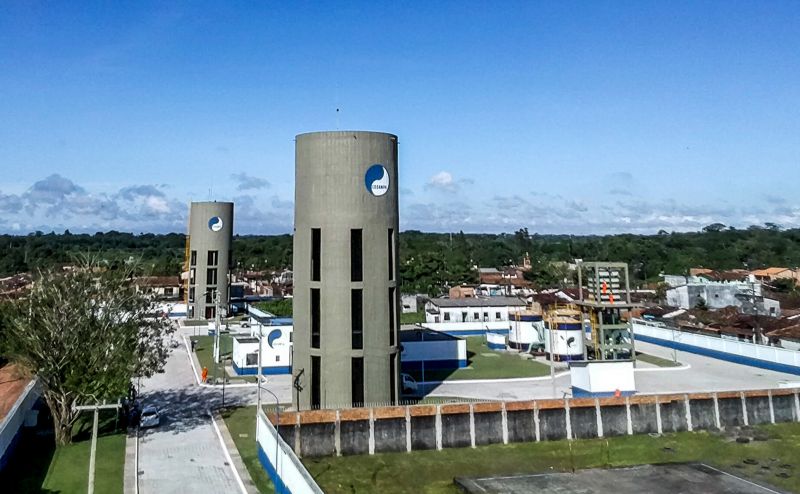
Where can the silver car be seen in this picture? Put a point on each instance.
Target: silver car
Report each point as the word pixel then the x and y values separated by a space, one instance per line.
pixel 149 417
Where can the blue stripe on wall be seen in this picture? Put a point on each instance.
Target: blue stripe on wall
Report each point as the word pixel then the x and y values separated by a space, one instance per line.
pixel 582 393
pixel 266 371
pixel 277 482
pixel 730 357
pixel 416 365
pixel 473 332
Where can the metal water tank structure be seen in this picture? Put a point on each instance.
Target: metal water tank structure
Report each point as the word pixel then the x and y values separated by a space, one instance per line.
pixel 565 335
pixel 208 258
pixel 345 270
pixel 527 330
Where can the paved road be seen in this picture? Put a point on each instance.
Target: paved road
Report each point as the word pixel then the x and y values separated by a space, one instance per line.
pixel 184 454
pixel 704 374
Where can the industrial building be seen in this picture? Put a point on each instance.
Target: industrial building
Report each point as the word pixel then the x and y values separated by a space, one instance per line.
pixel 208 258
pixel 345 269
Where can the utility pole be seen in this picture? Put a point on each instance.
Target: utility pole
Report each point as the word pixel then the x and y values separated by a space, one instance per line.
pixel 95 426
pixel 216 324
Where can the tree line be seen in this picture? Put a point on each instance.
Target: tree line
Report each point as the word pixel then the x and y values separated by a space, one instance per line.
pixel 431 261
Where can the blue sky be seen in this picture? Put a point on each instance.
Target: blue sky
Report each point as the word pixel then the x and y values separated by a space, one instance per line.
pixel 585 117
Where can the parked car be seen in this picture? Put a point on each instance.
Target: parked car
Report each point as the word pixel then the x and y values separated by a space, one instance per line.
pixel 149 417
pixel 410 385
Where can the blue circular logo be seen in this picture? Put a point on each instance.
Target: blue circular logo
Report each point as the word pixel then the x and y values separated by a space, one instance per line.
pixel 377 180
pixel 215 224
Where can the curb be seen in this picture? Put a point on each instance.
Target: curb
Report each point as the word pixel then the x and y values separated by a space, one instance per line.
pixel 232 454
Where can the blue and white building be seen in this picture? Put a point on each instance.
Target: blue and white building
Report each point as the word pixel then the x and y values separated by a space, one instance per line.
pixel 424 349
pixel 277 348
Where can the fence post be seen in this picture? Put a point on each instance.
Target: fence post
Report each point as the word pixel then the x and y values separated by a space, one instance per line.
pixel 658 417
pixel 536 419
pixel 598 417
pixel 371 431
pixel 471 426
pixel 297 435
pixel 408 429
pixel 688 408
pixel 628 415
pixel 568 419
pixel 744 409
pixel 337 435
pixel 505 423
pixel 717 420
pixel 771 409
pixel 438 424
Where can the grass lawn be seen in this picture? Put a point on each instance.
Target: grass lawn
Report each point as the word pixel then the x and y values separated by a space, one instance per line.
pixel 487 364
pixel 660 362
pixel 433 471
pixel 412 317
pixel 38 466
pixel 205 355
pixel 241 423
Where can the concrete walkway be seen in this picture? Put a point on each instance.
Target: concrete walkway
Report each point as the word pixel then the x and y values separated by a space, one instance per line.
pixel 186 453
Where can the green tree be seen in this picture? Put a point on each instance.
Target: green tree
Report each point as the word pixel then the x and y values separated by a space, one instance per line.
pixel 85 334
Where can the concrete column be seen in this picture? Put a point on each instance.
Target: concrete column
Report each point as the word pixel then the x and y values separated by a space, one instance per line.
pixel 688 407
pixel 744 409
pixel 567 417
pixel 717 421
pixel 536 421
pixel 658 417
pixel 408 429
pixel 771 410
pixel 505 423
pixel 372 431
pixel 438 423
pixel 471 426
pixel 337 435
pixel 628 415
pixel 599 417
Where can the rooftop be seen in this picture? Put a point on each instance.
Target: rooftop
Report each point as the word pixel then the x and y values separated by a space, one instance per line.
pixel 479 302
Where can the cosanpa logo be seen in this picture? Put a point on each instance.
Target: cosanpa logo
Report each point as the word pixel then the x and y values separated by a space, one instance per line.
pixel 377 180
pixel 215 224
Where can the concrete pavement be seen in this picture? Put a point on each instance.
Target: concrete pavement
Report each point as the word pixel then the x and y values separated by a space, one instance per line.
pixel 702 374
pixel 185 453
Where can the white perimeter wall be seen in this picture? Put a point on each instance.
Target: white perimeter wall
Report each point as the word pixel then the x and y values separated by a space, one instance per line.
pixel 16 416
pixel 283 460
pixel 466 326
pixel 738 348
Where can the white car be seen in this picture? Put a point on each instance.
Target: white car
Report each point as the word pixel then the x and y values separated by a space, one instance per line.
pixel 410 385
pixel 149 417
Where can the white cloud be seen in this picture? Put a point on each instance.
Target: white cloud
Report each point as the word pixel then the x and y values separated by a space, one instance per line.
pixel 445 181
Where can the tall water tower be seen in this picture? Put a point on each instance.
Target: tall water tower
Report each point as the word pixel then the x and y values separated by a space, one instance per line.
pixel 208 258
pixel 345 269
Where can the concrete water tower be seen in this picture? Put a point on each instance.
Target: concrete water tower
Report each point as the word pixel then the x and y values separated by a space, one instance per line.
pixel 208 257
pixel 345 269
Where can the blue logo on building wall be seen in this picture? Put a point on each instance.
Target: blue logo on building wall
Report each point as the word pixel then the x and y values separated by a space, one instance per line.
pixel 377 180
pixel 215 224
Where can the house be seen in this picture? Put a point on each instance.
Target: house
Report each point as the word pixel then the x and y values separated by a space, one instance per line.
pixel 788 337
pixel 411 302
pixel 471 310
pixel 462 291
pixel 163 287
pixel 688 292
pixel 772 274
